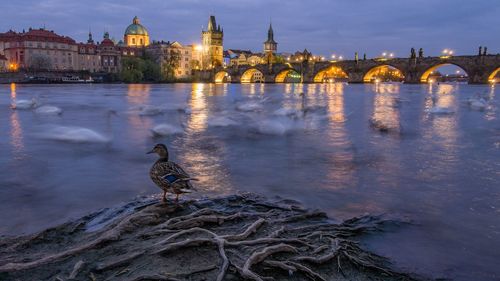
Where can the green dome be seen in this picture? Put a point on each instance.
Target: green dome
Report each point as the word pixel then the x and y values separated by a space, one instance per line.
pixel 136 28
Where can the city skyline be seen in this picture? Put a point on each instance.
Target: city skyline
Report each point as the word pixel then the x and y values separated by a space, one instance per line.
pixel 323 27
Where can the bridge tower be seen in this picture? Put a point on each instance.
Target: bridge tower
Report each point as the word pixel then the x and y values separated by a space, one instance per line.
pixel 212 55
pixel 270 46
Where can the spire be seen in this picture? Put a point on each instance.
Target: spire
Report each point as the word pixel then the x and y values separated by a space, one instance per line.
pixel 135 20
pixel 270 33
pixel 211 24
pixel 90 41
pixel 106 35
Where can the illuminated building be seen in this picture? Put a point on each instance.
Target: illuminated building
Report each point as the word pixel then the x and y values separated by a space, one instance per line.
pixel 212 40
pixel 136 35
pixel 173 57
pixel 38 49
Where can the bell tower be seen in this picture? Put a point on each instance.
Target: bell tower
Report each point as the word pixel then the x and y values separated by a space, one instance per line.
pixel 212 38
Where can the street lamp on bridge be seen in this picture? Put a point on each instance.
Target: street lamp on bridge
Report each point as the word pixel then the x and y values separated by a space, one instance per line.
pixel 447 53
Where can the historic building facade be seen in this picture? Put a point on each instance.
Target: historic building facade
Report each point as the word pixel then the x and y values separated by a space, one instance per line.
pixel 175 59
pixel 88 57
pixel 212 44
pixel 109 55
pixel 136 35
pixel 38 49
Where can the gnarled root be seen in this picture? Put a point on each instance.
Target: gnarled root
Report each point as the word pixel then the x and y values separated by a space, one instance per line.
pixel 213 240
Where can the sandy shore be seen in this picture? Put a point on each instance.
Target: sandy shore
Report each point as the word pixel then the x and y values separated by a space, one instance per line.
pixel 238 237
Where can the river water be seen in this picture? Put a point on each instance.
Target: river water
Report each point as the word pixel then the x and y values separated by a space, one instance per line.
pixel 418 151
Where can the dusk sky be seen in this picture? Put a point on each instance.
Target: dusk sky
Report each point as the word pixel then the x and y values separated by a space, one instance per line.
pixel 322 26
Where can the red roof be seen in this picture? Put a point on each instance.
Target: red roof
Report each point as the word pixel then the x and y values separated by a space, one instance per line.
pixel 36 35
pixel 107 42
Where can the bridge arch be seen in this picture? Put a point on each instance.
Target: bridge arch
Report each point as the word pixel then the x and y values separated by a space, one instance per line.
pixel 492 78
pixel 424 78
pixel 288 76
pixel 252 75
pixel 330 74
pixel 222 77
pixel 383 72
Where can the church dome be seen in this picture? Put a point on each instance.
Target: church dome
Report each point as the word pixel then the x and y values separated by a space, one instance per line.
pixel 136 28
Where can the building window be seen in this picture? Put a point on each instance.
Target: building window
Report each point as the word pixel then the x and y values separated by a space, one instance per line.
pixel 141 42
pixel 133 41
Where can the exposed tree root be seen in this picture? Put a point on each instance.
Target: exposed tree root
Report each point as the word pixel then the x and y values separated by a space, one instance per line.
pixel 236 237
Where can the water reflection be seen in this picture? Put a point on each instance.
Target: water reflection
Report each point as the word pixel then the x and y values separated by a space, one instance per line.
pixel 201 154
pixel 492 108
pixel 342 168
pixel 197 121
pixel 138 96
pixel 385 116
pixel 443 132
pixel 385 120
pixel 16 131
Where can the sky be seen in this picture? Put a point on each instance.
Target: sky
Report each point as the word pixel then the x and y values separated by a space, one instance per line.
pixel 324 27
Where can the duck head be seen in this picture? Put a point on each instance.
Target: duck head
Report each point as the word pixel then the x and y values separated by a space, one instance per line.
pixel 161 150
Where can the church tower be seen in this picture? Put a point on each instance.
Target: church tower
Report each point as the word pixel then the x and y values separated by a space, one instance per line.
pixel 270 46
pixel 212 45
pixel 90 40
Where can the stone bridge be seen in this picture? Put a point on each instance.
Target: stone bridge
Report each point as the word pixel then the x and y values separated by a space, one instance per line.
pixel 479 69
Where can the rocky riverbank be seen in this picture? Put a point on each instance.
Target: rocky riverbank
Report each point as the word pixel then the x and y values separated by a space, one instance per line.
pixel 239 237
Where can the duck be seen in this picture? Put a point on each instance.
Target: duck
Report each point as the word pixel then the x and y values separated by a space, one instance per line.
pixel 168 175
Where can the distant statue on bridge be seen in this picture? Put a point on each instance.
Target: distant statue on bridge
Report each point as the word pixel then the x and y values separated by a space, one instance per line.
pixel 420 53
pixel 364 56
pixel 412 54
pixel 480 50
pixel 356 58
pixel 485 51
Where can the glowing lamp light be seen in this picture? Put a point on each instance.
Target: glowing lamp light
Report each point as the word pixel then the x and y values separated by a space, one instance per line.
pixel 341 58
pixel 384 54
pixel 198 47
pixel 334 56
pixel 391 55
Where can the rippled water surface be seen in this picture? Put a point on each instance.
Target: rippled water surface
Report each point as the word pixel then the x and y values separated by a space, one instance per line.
pixel 427 152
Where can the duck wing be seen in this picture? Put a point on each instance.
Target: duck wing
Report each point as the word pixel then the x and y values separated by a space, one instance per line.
pixel 175 176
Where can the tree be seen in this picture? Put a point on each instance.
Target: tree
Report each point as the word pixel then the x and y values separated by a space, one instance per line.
pixel 152 71
pixel 40 62
pixel 132 70
pixel 170 65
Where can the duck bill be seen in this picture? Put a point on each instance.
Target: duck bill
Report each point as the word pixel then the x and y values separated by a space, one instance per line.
pixel 149 152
